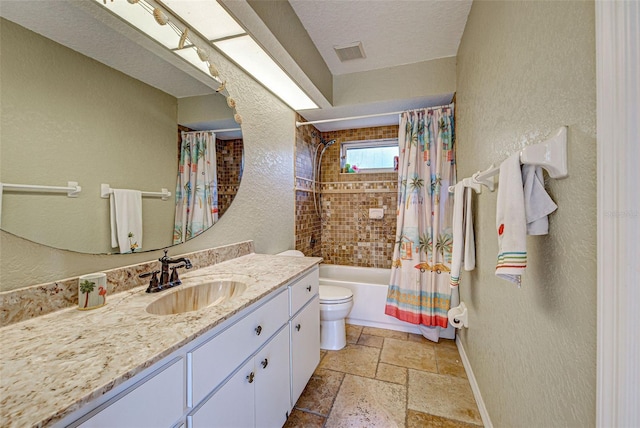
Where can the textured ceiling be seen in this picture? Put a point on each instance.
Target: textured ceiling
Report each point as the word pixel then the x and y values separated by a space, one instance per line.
pixel 392 32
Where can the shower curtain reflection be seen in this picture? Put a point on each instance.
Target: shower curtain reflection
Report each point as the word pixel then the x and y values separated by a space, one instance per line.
pixel 197 186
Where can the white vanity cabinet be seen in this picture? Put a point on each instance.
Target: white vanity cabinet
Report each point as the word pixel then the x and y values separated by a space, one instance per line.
pixel 157 400
pixel 247 372
pixel 305 332
pixel 256 395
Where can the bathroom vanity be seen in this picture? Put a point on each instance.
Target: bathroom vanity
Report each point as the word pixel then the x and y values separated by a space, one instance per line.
pixel 242 362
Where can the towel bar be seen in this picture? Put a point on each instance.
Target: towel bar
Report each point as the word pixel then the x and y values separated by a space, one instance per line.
pixel 106 190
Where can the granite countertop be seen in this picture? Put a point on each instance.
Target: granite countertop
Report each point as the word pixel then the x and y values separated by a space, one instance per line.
pixel 54 364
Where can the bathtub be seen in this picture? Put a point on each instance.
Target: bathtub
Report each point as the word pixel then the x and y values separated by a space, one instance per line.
pixel 369 287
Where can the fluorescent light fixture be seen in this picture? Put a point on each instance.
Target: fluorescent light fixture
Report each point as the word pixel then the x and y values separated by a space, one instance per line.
pixel 143 19
pixel 255 61
pixel 207 16
pixel 191 56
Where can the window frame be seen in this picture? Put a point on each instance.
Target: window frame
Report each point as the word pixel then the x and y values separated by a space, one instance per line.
pixel 384 142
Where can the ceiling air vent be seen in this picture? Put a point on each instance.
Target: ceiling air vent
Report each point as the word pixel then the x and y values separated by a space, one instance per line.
pixel 350 52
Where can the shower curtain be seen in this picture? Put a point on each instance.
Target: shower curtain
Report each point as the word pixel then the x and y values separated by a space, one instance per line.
pixel 419 289
pixel 197 186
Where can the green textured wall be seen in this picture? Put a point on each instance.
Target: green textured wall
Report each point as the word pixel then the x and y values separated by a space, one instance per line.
pixel 524 69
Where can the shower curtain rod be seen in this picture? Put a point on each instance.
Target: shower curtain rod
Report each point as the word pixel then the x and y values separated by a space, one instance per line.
pixel 312 122
pixel 215 130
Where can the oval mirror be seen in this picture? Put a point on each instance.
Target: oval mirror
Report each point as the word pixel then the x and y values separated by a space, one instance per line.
pixel 104 110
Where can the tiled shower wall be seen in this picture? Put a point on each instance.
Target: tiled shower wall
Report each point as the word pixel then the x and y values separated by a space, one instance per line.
pixel 229 167
pixel 346 234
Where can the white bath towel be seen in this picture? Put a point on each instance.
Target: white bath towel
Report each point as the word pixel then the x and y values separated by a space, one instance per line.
pixel 469 236
pixel 457 246
pixel 126 219
pixel 511 222
pixel 537 203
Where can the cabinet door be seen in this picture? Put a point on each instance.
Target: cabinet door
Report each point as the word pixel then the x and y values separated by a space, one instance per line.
pixel 157 402
pixel 273 400
pixel 232 405
pixel 305 347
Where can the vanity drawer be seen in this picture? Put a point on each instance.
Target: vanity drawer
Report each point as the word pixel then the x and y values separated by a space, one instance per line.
pixel 303 290
pixel 213 361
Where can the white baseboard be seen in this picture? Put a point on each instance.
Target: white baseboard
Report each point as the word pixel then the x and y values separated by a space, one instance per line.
pixel 484 414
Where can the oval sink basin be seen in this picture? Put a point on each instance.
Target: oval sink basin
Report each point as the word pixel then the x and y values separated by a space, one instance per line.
pixel 196 297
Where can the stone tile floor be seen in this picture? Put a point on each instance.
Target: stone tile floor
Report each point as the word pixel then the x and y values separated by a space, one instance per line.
pixel 386 379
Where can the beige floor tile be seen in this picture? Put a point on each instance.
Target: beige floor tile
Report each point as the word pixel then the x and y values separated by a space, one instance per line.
pixel 418 338
pixel 353 333
pixel 421 420
pixel 449 362
pixel 320 392
pixel 368 340
pixel 370 403
pixel 440 395
pixel 300 419
pixel 373 331
pixel 413 355
pixel 353 359
pixel 322 354
pixel 390 373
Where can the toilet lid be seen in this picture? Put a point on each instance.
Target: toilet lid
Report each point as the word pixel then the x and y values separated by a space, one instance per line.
pixel 331 293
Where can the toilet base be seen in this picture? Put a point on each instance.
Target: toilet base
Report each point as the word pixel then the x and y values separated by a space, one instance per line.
pixel 333 335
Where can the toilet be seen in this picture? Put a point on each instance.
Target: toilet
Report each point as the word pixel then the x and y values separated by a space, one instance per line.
pixel 335 305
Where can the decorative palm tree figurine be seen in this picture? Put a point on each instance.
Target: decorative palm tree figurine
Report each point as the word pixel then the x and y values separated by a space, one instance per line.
pixel 87 287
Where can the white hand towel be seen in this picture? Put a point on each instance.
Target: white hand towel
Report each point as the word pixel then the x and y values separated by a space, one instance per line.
pixel 511 222
pixel 457 246
pixel 469 236
pixel 126 220
pixel 537 203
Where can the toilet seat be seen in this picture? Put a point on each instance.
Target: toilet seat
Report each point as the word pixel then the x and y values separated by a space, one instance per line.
pixel 330 294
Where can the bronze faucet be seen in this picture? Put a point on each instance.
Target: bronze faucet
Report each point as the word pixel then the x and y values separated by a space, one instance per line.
pixel 165 280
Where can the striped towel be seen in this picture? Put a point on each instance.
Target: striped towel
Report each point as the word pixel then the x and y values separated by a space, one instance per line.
pixel 511 222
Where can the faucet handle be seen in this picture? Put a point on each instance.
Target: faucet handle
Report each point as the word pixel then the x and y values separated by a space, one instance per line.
pixel 153 283
pixel 175 280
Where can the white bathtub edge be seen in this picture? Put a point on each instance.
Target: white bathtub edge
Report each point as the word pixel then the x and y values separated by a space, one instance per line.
pixel 475 388
pixel 396 327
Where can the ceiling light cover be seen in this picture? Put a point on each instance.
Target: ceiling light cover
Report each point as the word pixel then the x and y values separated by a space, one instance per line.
pixel 207 16
pixel 143 20
pixel 255 61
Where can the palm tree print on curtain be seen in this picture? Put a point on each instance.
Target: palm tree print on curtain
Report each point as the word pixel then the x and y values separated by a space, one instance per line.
pixel 197 186
pixel 419 290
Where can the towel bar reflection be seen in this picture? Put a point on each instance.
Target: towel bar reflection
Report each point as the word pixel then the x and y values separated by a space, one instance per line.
pixel 106 190
pixel 72 188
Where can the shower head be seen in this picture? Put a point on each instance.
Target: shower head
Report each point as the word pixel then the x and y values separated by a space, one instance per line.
pixel 327 143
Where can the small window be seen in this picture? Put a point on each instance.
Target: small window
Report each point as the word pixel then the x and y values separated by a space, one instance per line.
pixel 369 156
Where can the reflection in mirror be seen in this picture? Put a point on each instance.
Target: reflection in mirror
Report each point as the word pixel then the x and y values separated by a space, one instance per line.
pixel 67 117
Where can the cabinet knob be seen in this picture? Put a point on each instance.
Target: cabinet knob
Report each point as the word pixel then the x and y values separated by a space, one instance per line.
pixel 250 377
pixel 264 363
pixel 258 330
pixel 298 327
pixel 309 289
